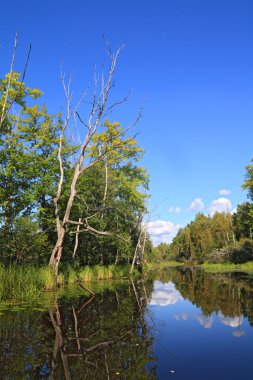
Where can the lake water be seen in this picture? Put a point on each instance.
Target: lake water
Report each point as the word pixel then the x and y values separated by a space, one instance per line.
pixel 182 324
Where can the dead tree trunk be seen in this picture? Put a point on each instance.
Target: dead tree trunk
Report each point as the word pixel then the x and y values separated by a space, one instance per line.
pixel 98 109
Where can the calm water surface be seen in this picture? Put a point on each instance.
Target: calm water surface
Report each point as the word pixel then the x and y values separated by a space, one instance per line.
pixel 182 324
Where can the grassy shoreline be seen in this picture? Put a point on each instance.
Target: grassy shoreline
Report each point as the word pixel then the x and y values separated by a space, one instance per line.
pixel 228 267
pixel 224 267
pixel 26 283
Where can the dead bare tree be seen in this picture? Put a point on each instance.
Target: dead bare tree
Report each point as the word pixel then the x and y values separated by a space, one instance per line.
pixel 141 242
pixel 99 110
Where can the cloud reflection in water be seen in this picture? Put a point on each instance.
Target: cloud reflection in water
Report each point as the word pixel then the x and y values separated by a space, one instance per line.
pixel 165 294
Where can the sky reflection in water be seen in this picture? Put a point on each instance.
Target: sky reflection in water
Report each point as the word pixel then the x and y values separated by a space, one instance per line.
pixel 198 320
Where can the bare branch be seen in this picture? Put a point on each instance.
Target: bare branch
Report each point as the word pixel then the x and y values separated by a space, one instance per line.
pixel 77 239
pixel 3 114
pixel 118 103
pixel 106 182
pixel 5 110
pixel 60 184
pixel 81 120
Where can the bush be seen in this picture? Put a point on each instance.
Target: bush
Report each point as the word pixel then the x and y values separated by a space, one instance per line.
pixel 241 252
pixel 218 256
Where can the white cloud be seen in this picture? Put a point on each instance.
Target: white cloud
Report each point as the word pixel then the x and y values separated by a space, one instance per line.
pixel 197 205
pixel 177 210
pixel 224 192
pixel 206 322
pixel 220 205
pixel 183 317
pixel 162 231
pixel 238 333
pixel 232 322
pixel 165 295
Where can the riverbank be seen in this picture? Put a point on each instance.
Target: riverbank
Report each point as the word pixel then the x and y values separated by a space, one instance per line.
pixel 228 267
pixel 26 283
pixel 224 267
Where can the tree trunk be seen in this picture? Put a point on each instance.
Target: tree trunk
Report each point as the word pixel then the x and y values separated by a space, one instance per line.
pixel 57 251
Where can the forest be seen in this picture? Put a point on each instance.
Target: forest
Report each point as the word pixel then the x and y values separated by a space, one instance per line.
pixel 223 237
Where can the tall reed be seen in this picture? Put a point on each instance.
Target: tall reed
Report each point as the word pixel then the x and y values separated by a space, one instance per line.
pixel 24 283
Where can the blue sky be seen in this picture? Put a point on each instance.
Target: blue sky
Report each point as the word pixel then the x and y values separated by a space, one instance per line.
pixel 189 63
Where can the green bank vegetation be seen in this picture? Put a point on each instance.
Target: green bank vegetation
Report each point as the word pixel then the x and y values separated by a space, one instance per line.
pixel 27 283
pixel 228 267
pixel 76 202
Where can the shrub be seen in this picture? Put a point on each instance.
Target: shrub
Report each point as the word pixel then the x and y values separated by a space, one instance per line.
pixel 218 256
pixel 241 252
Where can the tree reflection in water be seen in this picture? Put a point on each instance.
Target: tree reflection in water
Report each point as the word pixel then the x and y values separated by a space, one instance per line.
pixel 103 337
pixel 229 295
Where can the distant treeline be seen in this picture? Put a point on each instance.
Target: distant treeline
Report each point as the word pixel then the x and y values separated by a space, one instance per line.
pixel 223 237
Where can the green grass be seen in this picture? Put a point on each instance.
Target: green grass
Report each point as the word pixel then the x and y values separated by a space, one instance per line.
pixel 47 278
pixel 86 274
pixel 228 267
pixel 224 267
pixel 70 275
pixel 27 283
pixel 24 283
pixel 100 272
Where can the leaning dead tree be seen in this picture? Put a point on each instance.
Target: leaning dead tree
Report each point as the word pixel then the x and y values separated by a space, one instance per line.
pixel 141 243
pixel 99 110
pixel 8 101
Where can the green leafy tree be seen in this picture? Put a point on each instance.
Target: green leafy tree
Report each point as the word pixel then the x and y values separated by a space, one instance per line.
pixel 248 183
pixel 110 198
pixel 243 221
pixel 29 173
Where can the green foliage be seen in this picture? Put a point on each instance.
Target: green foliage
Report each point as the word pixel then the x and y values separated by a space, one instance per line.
pixel 203 239
pixel 241 252
pixel 248 183
pixel 25 243
pixel 243 221
pixel 222 238
pixel 111 194
pixel 28 153
pixel 161 252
